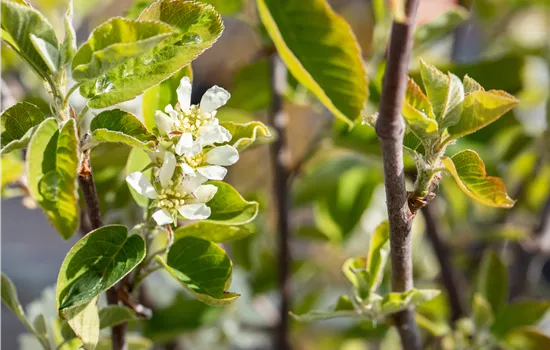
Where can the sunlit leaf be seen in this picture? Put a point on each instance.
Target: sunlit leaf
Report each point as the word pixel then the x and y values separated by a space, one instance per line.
pixel 120 126
pixel 212 231
pixel 482 313
pixel 97 262
pixel 519 314
pixel 468 170
pixel 11 168
pixel 52 160
pixel 226 7
pixel 248 134
pixel 492 281
pixel 378 254
pixel 84 321
pixel 68 47
pixel 527 338
pixel 134 342
pixel 229 207
pixel 202 267
pixel 320 52
pixel 418 114
pixel 17 125
pixel 470 85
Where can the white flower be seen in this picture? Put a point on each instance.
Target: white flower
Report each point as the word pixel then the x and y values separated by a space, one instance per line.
pixel 187 198
pixel 211 164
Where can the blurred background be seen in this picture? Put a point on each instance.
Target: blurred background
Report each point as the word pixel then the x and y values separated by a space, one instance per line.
pixel 337 189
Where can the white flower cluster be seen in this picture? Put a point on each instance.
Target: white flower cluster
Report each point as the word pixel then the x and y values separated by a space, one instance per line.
pixel 187 156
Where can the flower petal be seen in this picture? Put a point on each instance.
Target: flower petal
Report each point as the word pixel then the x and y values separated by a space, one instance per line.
pixel 141 184
pixel 165 124
pixel 212 172
pixel 184 93
pixel 190 183
pixel 187 146
pixel 171 112
pixel 167 169
pixel 205 193
pixel 210 134
pixel 187 170
pixel 223 155
pixel 163 217
pixel 214 98
pixel 198 211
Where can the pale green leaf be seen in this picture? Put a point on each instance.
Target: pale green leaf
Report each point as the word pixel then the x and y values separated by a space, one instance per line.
pixel 115 42
pixel 84 321
pixel 202 267
pixel 226 7
pixel 252 88
pixel 11 168
pixel 135 342
pixel 198 27
pixel 68 47
pixel 355 270
pixel 395 302
pixel 247 135
pixel 470 85
pixel 212 231
pixel 437 87
pixel 482 313
pixel 321 52
pixel 418 114
pixel 343 308
pixel 120 126
pixel 52 163
pixel 17 124
pixel 137 161
pixel 527 338
pixel 159 96
pixel 434 327
pixel 95 263
pixel 481 108
pixel 453 107
pixel 439 27
pixel 50 53
pixel 19 21
pixel 469 172
pixel 492 281
pixel 519 314
pixel 378 254
pixel 229 207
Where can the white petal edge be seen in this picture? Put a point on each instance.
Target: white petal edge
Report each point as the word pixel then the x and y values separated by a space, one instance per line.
pixel 171 112
pixel 212 172
pixel 141 184
pixel 190 183
pixel 205 193
pixel 165 124
pixel 184 93
pixel 224 155
pixel 167 169
pixel 187 169
pixel 185 143
pixel 210 134
pixel 214 98
pixel 198 211
pixel 163 217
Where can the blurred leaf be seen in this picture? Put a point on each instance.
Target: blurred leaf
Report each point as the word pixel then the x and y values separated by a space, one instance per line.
pixel 135 342
pixel 321 52
pixel 482 313
pixel 468 170
pixel 439 27
pixel 20 23
pixel 394 302
pixel 113 43
pixel 121 127
pixel 183 315
pixel 202 268
pixel 437 329
pixel 159 96
pixel 68 47
pixel 95 263
pixel 137 161
pixel 52 160
pixel 519 314
pixel 229 207
pixel 527 338
pixel 226 7
pixel 311 232
pixel 355 270
pixel 252 87
pixel 198 27
pixel 378 254
pixel 481 108
pixel 249 134
pixel 17 125
pixel 212 231
pixel 492 281
pixel 11 167
pixel 84 321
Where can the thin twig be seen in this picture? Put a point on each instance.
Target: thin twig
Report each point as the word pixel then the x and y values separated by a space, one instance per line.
pixel 87 185
pixel 390 128
pixel 280 170
pixel 448 275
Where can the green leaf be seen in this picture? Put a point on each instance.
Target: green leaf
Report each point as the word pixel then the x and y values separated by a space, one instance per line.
pixel 527 338
pixel 10 299
pixel 481 108
pixel 482 313
pixel 519 314
pixel 226 7
pixel 248 134
pixel 320 52
pixel 159 96
pixel 470 85
pixel 52 160
pixel 68 47
pixel 20 23
pixel 135 342
pixel 84 321
pixel 198 27
pixel 395 302
pixel 439 27
pixel 252 87
pixel 355 270
pixel 95 263
pixel 17 124
pixel 115 42
pixel 202 267
pixel 11 168
pixel 469 172
pixel 212 231
pixel 418 114
pixel 378 254
pixel 120 126
pixel 229 207
pixel 137 161
pixel 343 308
pixel 492 281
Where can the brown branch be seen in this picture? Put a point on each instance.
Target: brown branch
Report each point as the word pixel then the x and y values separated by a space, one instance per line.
pixel 87 185
pixel 390 128
pixel 280 170
pixel 448 275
